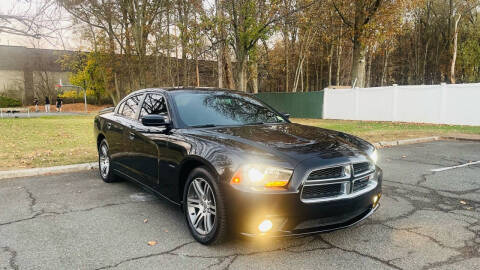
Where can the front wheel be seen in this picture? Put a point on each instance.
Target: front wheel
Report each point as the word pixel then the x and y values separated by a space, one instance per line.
pixel 204 208
pixel 104 163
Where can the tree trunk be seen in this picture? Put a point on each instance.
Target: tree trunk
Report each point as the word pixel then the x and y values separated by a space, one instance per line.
pixel 330 65
pixel 197 73
pixel 339 55
pixel 425 58
pixel 221 47
pixel 254 75
pixel 358 67
pixel 359 49
pixel 455 45
pixel 229 81
pixel 285 44
pixel 385 64
pixel 242 74
pixel 369 69
pixel 298 72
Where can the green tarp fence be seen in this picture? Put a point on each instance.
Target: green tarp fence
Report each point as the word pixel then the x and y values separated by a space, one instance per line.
pixel 298 105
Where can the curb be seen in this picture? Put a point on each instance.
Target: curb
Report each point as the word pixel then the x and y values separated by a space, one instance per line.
pixel 48 170
pixel 423 140
pixel 94 165
pixel 408 141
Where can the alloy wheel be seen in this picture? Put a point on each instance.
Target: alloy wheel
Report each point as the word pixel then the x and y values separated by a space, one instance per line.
pixel 201 206
pixel 104 161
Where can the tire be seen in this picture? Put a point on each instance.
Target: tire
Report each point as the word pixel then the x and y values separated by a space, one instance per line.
pixel 104 163
pixel 207 224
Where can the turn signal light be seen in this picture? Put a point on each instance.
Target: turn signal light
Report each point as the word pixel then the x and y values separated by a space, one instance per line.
pixel 276 184
pixel 376 198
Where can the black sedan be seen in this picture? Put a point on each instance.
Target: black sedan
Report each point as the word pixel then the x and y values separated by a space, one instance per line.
pixel 235 164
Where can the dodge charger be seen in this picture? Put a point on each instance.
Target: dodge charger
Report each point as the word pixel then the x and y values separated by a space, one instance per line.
pixel 236 165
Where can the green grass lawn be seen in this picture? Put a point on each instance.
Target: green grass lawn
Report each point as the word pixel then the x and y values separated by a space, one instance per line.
pixel 46 141
pixel 61 140
pixel 387 131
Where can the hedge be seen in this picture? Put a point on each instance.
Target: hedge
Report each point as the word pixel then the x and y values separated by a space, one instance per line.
pixel 6 102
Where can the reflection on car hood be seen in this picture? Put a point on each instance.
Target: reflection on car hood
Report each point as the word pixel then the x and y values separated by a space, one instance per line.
pixel 292 141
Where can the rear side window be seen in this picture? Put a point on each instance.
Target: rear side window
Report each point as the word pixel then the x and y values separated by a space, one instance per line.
pixel 130 106
pixel 154 104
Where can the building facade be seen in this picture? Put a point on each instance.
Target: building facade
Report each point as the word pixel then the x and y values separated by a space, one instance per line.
pixel 26 73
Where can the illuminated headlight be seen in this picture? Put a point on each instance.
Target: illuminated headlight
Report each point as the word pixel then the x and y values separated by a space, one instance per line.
pixel 262 176
pixel 374 156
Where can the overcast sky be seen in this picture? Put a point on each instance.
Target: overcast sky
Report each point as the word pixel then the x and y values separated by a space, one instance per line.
pixel 66 38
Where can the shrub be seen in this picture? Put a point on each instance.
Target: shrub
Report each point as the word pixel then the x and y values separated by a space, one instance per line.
pixel 6 102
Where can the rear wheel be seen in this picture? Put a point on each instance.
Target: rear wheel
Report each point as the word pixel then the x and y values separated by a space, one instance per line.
pixel 204 208
pixel 104 164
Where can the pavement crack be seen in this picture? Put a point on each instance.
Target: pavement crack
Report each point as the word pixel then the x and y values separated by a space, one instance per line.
pixel 231 262
pixel 13 257
pixel 388 263
pixel 170 252
pixel 33 200
pixel 42 213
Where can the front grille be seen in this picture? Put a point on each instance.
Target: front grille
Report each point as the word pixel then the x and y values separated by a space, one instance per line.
pixel 338 182
pixel 321 191
pixel 359 168
pixel 360 184
pixel 328 173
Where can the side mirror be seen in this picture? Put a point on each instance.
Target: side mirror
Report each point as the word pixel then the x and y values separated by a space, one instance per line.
pixel 286 115
pixel 155 120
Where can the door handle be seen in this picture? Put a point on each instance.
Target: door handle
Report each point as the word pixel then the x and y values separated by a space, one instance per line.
pixel 131 136
pixel 109 125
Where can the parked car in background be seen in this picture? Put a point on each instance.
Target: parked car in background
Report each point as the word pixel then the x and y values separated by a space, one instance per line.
pixel 234 164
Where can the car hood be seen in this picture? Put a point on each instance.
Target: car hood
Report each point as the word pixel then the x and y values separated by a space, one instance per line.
pixel 293 142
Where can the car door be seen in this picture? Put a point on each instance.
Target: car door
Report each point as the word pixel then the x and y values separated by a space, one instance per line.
pixel 114 134
pixel 150 143
pixel 126 117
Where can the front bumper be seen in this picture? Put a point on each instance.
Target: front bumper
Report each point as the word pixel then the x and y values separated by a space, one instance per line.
pixel 290 216
pixel 320 229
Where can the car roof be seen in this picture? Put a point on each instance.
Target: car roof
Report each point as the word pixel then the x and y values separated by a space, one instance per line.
pixel 181 88
pixel 187 88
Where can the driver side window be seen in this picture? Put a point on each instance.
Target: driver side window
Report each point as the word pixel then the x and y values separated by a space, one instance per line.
pixel 129 107
pixel 154 104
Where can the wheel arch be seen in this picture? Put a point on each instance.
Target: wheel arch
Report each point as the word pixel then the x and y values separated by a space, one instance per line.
pixel 100 137
pixel 187 166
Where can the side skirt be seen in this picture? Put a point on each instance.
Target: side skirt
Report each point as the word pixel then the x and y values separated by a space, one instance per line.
pixel 150 189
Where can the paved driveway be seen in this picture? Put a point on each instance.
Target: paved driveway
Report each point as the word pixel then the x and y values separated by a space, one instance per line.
pixel 75 221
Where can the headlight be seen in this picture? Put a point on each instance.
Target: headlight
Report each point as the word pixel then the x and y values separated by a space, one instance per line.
pixel 374 156
pixel 260 176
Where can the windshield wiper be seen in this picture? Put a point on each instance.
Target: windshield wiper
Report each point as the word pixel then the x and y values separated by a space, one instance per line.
pixel 204 126
pixel 256 123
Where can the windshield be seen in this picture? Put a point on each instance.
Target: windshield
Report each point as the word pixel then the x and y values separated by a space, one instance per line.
pixel 197 109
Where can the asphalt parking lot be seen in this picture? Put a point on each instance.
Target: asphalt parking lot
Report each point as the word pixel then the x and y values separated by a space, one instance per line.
pixel 427 220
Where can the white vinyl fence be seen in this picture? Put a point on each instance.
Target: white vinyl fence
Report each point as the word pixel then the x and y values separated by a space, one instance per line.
pixel 440 104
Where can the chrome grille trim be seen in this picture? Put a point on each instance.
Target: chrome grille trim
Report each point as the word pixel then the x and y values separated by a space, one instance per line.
pixel 346 174
pixel 347 181
pixel 370 169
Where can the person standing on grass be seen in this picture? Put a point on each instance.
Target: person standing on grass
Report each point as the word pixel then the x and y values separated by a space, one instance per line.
pixel 59 104
pixel 35 102
pixel 47 104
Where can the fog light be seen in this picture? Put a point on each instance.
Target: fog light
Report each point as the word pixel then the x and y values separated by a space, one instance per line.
pixel 265 226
